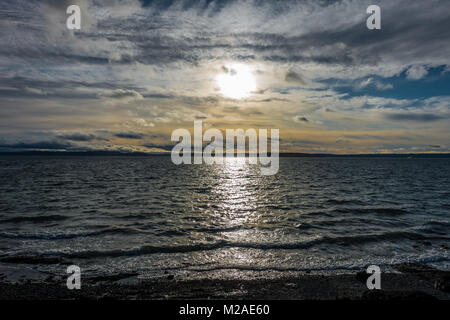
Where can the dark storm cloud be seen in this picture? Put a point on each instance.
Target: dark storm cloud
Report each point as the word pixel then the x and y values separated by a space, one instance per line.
pixel 409 30
pixel 20 86
pixel 79 136
pixel 48 84
pixel 268 100
pixel 301 119
pixel 129 135
pixel 415 117
pixel 352 44
pixel 62 4
pixel 190 100
pixel 292 76
pixel 124 93
pixel 43 145
pixel 196 101
pixel 158 95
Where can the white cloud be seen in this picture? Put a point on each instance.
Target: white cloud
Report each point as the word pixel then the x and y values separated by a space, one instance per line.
pixel 139 122
pixel 121 95
pixel 416 72
pixel 383 86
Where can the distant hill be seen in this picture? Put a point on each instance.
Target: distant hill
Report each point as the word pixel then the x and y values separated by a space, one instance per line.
pixel 300 155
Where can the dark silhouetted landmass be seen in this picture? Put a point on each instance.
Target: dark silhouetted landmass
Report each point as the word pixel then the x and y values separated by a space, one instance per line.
pixel 299 155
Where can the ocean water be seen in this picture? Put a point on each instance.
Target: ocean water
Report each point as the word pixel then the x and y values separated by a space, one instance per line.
pixel 146 216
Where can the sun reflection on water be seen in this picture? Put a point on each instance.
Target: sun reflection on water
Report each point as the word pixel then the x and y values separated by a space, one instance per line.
pixel 237 192
pixel 237 198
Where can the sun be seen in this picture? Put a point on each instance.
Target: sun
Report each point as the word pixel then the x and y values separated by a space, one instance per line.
pixel 237 81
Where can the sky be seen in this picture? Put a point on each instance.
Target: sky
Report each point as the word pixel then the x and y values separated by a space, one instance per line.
pixel 137 70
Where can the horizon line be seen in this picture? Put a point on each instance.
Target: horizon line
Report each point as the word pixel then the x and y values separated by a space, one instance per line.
pixel 281 154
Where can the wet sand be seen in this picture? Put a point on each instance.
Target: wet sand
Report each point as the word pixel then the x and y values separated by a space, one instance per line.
pixel 412 282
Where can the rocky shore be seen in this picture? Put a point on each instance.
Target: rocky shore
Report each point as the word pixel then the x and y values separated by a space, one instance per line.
pixel 412 281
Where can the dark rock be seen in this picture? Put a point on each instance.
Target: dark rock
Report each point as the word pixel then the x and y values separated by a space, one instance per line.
pixel 113 277
pixel 362 276
pixel 396 295
pixel 106 297
pixel 442 284
pixel 32 260
pixel 408 267
pixel 170 277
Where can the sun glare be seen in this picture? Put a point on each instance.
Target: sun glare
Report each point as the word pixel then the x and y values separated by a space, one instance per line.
pixel 237 82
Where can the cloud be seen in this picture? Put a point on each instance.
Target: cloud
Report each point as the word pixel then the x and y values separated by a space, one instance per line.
pixel 34 91
pixel 300 119
pixel 38 145
pixel 78 136
pixel 166 147
pixel 129 135
pixel 139 122
pixel 365 83
pixel 123 95
pixel 370 82
pixel 377 137
pixel 151 65
pixel 415 117
pixel 383 86
pixel 416 72
pixel 292 76
pixel 237 31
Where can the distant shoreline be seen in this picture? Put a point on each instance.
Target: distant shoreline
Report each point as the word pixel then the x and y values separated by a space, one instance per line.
pixel 167 154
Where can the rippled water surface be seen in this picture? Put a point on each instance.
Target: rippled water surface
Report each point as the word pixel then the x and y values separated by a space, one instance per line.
pixel 146 215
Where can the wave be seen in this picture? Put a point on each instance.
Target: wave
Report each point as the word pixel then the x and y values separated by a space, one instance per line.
pixel 275 268
pixel 438 227
pixel 343 240
pixel 434 223
pixel 356 266
pixel 382 211
pixel 34 259
pixel 357 210
pixel 68 235
pixel 35 219
pixel 337 201
pixel 113 230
